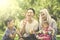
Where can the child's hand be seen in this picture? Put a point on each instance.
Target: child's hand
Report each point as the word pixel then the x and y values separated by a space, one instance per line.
pixel 40 31
pixel 44 32
pixel 10 35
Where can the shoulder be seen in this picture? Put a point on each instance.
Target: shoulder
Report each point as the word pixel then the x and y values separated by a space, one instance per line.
pixel 53 21
pixel 35 21
pixel 7 30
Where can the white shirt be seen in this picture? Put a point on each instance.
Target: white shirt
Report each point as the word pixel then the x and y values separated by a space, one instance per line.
pixel 30 26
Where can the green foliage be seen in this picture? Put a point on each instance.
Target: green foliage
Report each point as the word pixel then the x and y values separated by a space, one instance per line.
pixel 18 8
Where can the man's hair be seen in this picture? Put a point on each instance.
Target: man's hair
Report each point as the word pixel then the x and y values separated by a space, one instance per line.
pixel 31 9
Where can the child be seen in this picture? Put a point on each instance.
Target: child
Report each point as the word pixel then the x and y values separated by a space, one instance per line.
pixel 46 33
pixel 10 31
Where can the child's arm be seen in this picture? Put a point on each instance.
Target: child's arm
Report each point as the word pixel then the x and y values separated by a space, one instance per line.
pixel 8 33
pixel 40 31
pixel 19 32
pixel 12 35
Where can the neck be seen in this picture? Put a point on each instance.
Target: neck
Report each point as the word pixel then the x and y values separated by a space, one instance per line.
pixel 10 28
pixel 29 20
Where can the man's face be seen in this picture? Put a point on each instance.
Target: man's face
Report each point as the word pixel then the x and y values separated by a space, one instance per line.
pixel 29 14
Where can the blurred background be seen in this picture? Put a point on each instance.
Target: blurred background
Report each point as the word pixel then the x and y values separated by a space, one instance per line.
pixel 17 9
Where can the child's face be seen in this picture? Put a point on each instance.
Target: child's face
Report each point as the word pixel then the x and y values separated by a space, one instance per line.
pixel 45 25
pixel 11 24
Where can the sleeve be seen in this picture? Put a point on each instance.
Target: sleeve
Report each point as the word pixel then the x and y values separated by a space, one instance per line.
pixel 14 30
pixel 7 32
pixel 36 26
pixel 54 25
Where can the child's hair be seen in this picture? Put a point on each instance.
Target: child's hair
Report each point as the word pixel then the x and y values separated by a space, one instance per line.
pixel 45 23
pixel 8 21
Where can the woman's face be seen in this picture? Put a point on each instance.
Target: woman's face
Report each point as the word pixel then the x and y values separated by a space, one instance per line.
pixel 44 17
pixel 29 14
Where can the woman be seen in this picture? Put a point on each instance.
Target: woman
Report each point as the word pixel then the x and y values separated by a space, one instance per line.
pixel 45 16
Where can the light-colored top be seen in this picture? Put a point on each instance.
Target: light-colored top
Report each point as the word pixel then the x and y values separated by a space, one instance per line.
pixel 30 26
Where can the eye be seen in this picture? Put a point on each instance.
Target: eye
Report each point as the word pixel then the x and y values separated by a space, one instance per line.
pixel 42 14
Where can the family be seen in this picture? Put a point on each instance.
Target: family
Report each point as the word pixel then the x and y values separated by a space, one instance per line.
pixel 31 29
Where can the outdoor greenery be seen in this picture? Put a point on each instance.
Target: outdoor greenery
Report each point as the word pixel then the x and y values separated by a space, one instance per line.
pixel 17 9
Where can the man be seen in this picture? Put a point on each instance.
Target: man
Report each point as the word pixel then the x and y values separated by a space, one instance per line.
pixel 28 26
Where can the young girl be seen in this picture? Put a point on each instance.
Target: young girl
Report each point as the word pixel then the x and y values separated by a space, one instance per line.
pixel 10 31
pixel 46 33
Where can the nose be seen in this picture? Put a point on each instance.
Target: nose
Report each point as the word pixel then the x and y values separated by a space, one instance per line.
pixel 29 14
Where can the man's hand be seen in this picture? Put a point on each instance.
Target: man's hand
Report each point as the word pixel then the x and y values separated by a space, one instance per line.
pixel 32 32
pixel 24 23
